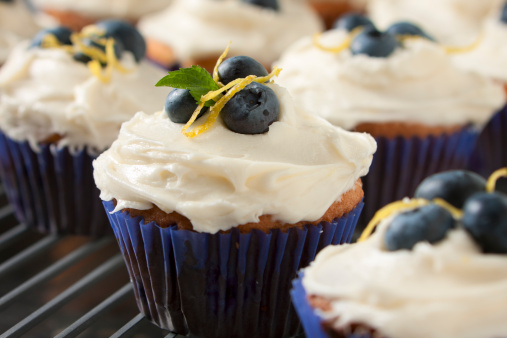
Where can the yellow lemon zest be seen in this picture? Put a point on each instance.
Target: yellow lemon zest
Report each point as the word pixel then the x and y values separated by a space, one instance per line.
pixel 111 61
pixel 455 212
pixel 215 110
pixel 342 46
pixel 93 30
pixel 387 211
pixel 95 68
pixel 216 78
pixel 93 52
pixel 465 49
pixel 50 41
pixel 490 186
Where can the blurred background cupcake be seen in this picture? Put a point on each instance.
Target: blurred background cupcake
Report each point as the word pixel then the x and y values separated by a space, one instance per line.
pixel 213 228
pixel 424 112
pixel 431 265
pixel 16 24
pixel 196 31
pixel 77 14
pixel 330 10
pixel 62 102
pixel 489 58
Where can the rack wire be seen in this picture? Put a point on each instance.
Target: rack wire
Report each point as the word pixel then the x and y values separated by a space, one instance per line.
pixel 55 286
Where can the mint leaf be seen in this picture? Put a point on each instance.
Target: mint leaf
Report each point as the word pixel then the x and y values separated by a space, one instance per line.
pixel 196 79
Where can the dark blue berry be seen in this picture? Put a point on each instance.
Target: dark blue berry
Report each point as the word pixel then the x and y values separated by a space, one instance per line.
pixel 82 57
pixel 272 4
pixel 429 223
pixel 7 1
pixel 239 67
pixel 252 110
pixel 61 33
pixel 485 218
pixel 374 43
pixel 407 28
pixel 180 105
pixel 351 21
pixel 503 15
pixel 127 35
pixel 455 186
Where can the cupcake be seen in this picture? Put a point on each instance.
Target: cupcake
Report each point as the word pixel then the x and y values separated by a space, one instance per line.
pixel 431 263
pixel 424 112
pixel 16 24
pixel 331 10
pixel 78 14
pixel 201 28
pixel 62 101
pixel 449 21
pixel 488 59
pixel 214 220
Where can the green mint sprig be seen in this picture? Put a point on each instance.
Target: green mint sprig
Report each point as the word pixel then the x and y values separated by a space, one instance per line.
pixel 196 79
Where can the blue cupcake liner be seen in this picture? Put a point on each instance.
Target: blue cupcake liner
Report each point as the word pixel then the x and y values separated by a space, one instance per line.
pixel 490 152
pixel 400 164
pixel 221 285
pixel 52 190
pixel 310 320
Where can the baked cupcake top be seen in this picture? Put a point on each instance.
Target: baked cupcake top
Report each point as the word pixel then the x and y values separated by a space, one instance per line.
pixel 16 24
pixel 197 29
pixel 232 174
pixel 125 9
pixel 449 21
pixel 490 56
pixel 396 282
pixel 63 92
pixel 342 77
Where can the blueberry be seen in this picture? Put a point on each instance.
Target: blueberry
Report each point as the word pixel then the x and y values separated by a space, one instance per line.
pixel 407 28
pixel 61 33
pixel 351 21
pixel 485 218
pixel 503 15
pixel 127 35
pixel 454 186
pixel 180 105
pixel 252 110
pixel 429 223
pixel 374 43
pixel 239 67
pixel 272 4
pixel 82 57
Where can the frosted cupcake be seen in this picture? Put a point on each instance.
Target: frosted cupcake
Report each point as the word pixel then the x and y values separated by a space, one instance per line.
pixel 62 103
pixel 203 27
pixel 432 264
pixel 78 14
pixel 424 112
pixel 16 24
pixel 214 221
pixel 488 59
pixel 449 21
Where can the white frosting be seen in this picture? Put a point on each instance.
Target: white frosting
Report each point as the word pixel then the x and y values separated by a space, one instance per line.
pixel 416 84
pixel 16 23
pixel 447 290
pixel 490 57
pixel 449 21
pixel 44 91
pixel 127 9
pixel 203 28
pixel 221 179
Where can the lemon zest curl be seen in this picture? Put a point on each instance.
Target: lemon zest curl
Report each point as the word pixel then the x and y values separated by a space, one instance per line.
pixel 342 46
pixel 491 184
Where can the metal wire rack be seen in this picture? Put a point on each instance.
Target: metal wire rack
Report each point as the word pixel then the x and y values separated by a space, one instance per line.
pixel 54 286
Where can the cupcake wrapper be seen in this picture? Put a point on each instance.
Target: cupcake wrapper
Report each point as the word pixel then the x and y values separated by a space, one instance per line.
pixel 400 164
pixel 52 190
pixel 490 152
pixel 310 320
pixel 225 284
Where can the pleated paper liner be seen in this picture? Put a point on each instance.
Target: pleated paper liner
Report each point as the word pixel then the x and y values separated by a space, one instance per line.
pixel 311 321
pixel 400 164
pixel 52 190
pixel 490 152
pixel 225 284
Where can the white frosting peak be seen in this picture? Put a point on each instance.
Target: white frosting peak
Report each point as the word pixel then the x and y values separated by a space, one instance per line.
pixel 202 28
pixel 46 92
pixel 446 290
pixel 416 84
pixel 221 179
